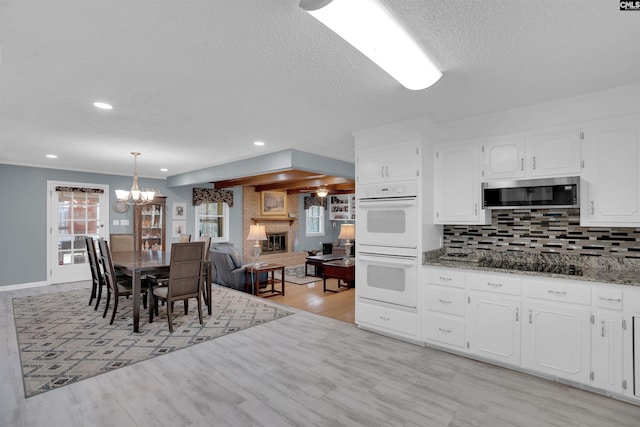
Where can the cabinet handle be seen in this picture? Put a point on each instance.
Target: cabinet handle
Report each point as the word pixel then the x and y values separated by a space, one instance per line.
pixel 445 331
pixel 609 299
pixel 494 285
pixel 517 314
pixel 444 278
pixel 387 169
pixel 384 318
pixel 602 334
pixel 530 316
pixel 522 163
pixel 382 171
pixel 475 209
pixel 444 301
pixel 593 207
pixel 534 162
pixel 559 293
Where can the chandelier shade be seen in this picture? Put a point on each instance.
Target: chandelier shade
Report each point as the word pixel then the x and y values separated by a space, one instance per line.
pixel 135 196
pixel 322 191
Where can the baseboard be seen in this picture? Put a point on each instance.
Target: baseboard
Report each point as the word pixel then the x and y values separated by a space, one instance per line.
pixel 23 286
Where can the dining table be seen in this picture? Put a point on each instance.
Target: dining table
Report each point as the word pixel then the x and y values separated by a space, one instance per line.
pixel 138 264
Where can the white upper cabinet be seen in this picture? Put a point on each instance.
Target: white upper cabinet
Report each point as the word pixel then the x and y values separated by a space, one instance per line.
pixel 555 153
pixel 610 192
pixel 545 154
pixel 393 164
pixel 457 186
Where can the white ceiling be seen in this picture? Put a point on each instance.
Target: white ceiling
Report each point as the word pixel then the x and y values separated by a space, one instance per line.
pixel 194 83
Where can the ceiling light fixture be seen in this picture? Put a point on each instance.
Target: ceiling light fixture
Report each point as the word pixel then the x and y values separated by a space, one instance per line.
pixel 322 191
pixel 51 156
pixel 102 105
pixel 369 27
pixel 258 143
pixel 135 196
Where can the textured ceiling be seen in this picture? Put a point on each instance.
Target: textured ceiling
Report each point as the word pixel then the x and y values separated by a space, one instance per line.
pixel 194 83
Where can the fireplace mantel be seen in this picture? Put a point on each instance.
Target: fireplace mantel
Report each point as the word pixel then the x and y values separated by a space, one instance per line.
pixel 274 218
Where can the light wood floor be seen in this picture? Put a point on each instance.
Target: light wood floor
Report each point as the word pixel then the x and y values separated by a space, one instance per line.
pixel 310 297
pixel 302 370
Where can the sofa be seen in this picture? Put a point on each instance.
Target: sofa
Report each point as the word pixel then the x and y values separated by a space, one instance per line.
pixel 228 269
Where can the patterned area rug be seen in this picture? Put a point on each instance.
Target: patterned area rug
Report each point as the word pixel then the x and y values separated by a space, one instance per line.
pixel 63 340
pixel 295 274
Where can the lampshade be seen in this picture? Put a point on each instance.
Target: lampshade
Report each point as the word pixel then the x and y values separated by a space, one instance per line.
pixel 369 27
pixel 257 232
pixel 347 231
pixel 322 191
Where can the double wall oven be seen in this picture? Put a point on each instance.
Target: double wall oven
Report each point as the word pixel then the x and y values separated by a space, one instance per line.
pixel 388 239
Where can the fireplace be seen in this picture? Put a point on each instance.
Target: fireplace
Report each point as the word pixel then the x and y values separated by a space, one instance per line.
pixel 276 243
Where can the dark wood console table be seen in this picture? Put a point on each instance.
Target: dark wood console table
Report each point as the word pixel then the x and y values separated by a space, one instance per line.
pixel 338 270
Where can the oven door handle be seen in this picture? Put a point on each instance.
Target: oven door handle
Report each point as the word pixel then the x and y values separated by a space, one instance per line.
pixel 388 260
pixel 388 203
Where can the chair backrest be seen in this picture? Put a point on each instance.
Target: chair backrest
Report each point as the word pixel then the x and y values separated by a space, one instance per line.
pixel 121 242
pixel 207 244
pixel 96 274
pixel 186 270
pixel 184 238
pixel 107 266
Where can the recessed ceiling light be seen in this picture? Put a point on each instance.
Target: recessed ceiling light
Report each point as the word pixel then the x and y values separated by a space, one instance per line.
pixel 258 143
pixel 52 156
pixel 164 170
pixel 102 105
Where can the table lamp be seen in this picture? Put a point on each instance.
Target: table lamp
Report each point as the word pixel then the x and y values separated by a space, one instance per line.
pixel 347 232
pixel 257 233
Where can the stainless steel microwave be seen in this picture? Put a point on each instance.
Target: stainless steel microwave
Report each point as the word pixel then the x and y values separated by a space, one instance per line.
pixel 532 193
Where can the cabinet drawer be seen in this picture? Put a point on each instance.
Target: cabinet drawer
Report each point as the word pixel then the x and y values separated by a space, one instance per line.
pixel 444 330
pixel 495 283
pixel 445 277
pixel 610 298
pixel 387 319
pixel 445 300
pixel 559 291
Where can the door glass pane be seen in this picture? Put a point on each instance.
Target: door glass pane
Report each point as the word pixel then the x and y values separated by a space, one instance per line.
pixel 78 214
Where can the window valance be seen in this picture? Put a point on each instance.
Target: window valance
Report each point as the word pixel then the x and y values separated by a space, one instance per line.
pixel 207 195
pixel 80 189
pixel 315 201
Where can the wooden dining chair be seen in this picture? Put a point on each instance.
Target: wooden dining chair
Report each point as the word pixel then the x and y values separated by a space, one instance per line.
pixel 184 238
pixel 97 278
pixel 207 268
pixel 121 242
pixel 185 280
pixel 115 286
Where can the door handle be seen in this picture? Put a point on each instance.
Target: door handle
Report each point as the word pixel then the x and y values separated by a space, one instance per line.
pixel 517 314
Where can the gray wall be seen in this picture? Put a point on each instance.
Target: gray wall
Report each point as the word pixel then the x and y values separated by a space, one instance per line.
pixel 23 216
pixel 331 230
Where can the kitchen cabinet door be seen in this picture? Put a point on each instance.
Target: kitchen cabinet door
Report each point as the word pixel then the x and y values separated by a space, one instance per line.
pixel 457 186
pixel 606 351
pixel 553 154
pixel 504 158
pixel 493 327
pixel 610 189
pixel 401 162
pixel 556 340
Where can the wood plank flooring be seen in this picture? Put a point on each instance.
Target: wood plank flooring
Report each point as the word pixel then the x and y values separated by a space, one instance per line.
pixel 303 370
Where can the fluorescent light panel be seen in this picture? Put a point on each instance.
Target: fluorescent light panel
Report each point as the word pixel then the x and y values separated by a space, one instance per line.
pixel 369 27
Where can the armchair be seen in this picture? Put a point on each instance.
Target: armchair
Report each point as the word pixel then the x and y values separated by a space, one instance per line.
pixel 229 270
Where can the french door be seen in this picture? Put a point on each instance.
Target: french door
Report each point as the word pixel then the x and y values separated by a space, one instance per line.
pixel 75 210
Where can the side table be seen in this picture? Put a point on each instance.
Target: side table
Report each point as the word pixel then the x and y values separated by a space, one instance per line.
pixel 338 270
pixel 252 279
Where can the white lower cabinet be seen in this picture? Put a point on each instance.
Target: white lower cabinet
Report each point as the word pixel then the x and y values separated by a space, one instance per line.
pixel 555 340
pixel 387 319
pixel 572 330
pixel 493 327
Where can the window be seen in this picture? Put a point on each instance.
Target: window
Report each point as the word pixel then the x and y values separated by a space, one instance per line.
pixel 315 221
pixel 212 218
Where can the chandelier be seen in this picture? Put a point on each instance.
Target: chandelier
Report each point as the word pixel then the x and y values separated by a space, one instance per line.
pixel 135 196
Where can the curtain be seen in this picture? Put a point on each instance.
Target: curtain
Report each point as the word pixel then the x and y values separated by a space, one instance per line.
pixel 314 201
pixel 80 189
pixel 204 195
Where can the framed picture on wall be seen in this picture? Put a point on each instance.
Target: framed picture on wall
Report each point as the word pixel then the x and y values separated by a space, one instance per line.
pixel 273 203
pixel 178 228
pixel 179 211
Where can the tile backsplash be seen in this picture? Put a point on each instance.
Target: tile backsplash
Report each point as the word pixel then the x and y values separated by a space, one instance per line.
pixel 543 231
